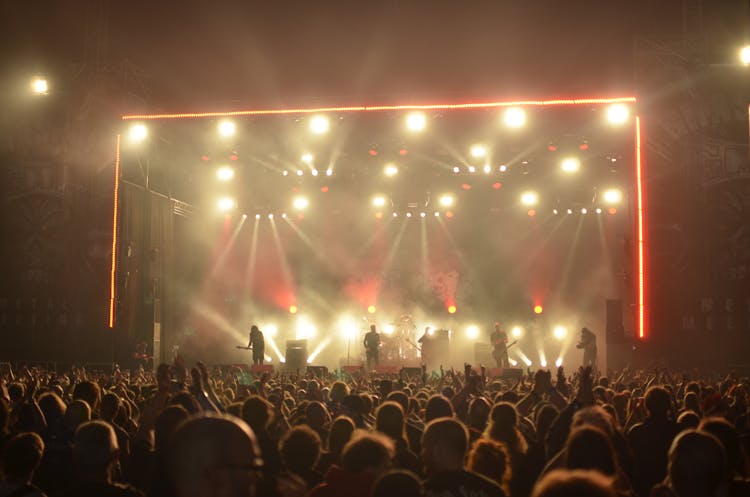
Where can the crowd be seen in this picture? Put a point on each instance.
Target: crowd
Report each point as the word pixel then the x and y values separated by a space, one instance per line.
pixel 182 432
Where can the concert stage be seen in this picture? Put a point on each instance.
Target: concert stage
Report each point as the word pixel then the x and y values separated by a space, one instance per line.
pixel 314 223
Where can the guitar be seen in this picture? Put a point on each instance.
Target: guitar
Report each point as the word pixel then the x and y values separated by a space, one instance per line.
pixel 243 347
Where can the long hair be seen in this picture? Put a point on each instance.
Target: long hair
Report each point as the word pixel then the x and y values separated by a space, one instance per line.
pixel 503 427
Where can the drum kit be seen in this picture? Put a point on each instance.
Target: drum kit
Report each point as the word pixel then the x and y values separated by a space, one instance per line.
pixel 397 339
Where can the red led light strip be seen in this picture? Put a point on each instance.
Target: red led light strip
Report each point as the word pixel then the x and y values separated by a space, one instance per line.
pixel 641 238
pixel 114 235
pixel 370 108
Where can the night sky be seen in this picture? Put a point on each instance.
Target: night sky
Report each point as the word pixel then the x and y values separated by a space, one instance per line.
pixel 273 53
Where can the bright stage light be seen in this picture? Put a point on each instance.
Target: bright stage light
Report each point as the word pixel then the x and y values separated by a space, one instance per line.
pixel 430 330
pixel 314 172
pixel 560 332
pixel 558 362
pixel 538 309
pixel 319 125
pixel 422 214
pixel 456 169
pixel 300 172
pixel 416 121
pixel 378 201
pixel 408 214
pixel 598 210
pixel 503 168
pixel 584 210
pixel 571 165
pixel 305 329
pixel 395 214
pixel 472 169
pixel 570 211
pixel 307 158
pixel 472 332
pixel 554 211
pixel 487 169
pixel 516 331
pixel 39 86
pixel 437 214
pixel 543 363
pixel 257 216
pixel 515 117
pixel 745 55
pixel 478 151
pixel 283 215
pixel 329 172
pixel 225 204
pixel 451 309
pixel 227 128
pixel 138 132
pixel 244 216
pixel 513 362
pixel 389 329
pixel 447 200
pixel 285 173
pixel 371 309
pixel 270 330
pixel 529 198
pixel 300 203
pixel 390 170
pixel 618 114
pixel 292 309
pixel 613 196
pixel 224 173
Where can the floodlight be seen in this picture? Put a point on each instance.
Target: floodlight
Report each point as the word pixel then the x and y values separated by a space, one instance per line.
pixel 307 158
pixel 225 204
pixel 378 201
pixel 391 170
pixel 319 125
pixel 472 332
pixel 447 200
pixel 416 121
pixel 515 117
pixel 560 332
pixel 618 114
pixel 571 165
pixel 301 203
pixel 224 173
pixel 613 196
pixel 487 168
pixel 529 198
pixel 516 331
pixel 138 132
pixel 227 128
pixel 478 151
pixel 39 86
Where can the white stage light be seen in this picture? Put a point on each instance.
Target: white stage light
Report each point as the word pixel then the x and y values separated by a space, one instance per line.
pixel 584 210
pixel 395 214
pixel 447 200
pixel 39 86
pixel 613 196
pixel 319 125
pixel 314 172
pixel 300 203
pixel 543 363
pixel 618 114
pixel 571 165
pixel 515 117
pixel 422 214
pixel 478 151
pixel 456 169
pixel 378 201
pixel 513 362
pixel 224 173
pixel 437 214
pixel 516 331
pixel 558 362
pixel 283 215
pixel 257 216
pixel 554 211
pixel 225 204
pixel 745 55
pixel 305 329
pixel 472 332
pixel 560 332
pixel 487 168
pixel 307 158
pixel 227 128
pixel 270 216
pixel 472 169
pixel 391 170
pixel 529 198
pixel 389 329
pixel 408 214
pixel 329 172
pixel 138 132
pixel 416 121
pixel 270 330
pixel 570 211
pixel 285 172
pixel 598 210
pixel 244 216
pixel 300 172
pixel 503 168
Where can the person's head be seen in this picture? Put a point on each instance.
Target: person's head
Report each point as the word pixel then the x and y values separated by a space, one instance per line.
pixel 595 416
pixel 353 406
pixel 163 376
pixel 730 440
pixel 389 420
pixel 341 432
pixel 437 407
pixel 77 413
pixel 166 423
pixel 397 483
pixel 300 449
pixel 16 392
pixel 490 458
pixel 372 328
pixel 339 390
pixel 691 402
pixel 688 420
pixel 254 329
pixel 401 398
pixel 444 444
pixel 213 455
pixel 697 464
pixel 367 452
pixel 110 405
pixel 479 412
pixel 503 427
pixel 21 456
pixel 95 450
pixel 589 447
pixel 186 400
pixel 90 392
pixel 53 408
pixel 544 417
pixel 257 412
pixel 657 402
pixel 497 327
pixel 316 414
pixel 577 483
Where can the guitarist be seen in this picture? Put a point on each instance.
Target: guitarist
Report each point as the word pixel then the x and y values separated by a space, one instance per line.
pixel 258 345
pixel 499 340
pixel 372 347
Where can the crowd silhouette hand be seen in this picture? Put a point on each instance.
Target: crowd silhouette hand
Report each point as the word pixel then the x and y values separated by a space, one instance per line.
pixel 585 393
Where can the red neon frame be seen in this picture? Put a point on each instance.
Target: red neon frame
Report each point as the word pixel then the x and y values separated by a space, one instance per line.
pixel 640 213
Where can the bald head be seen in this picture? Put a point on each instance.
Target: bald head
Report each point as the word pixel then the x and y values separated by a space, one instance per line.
pixel 216 455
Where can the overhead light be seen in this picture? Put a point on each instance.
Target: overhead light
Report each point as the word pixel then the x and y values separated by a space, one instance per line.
pixel 300 203
pixel 618 114
pixel 39 86
pixel 225 204
pixel 456 169
pixel 487 168
pixel 319 124
pixel 227 128
pixel 391 170
pixel 447 200
pixel 307 158
pixel 571 165
pixel 612 196
pixel 529 198
pixel 515 117
pixel 416 121
pixel 378 201
pixel 478 151
pixel 560 332
pixel 224 173
pixel 138 132
pixel 745 55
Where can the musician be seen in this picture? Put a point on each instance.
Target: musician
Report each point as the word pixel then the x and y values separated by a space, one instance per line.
pixel 372 347
pixel 258 344
pixel 140 355
pixel 499 340
pixel 426 345
pixel 588 344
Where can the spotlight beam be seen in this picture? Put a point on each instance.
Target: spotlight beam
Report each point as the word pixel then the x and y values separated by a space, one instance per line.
pixel 250 271
pixel 286 270
pixel 221 259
